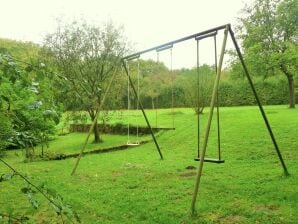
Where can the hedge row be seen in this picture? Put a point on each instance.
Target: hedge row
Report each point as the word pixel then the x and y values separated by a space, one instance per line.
pixel 271 91
pixel 238 92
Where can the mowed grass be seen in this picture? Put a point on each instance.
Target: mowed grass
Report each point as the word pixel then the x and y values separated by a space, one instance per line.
pixel 135 186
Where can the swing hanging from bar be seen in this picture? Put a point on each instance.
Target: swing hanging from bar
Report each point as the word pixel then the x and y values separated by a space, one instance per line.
pixel 129 142
pixel 158 50
pixel 137 95
pixel 218 159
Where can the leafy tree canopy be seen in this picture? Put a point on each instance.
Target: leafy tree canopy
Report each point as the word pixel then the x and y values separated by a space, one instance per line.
pixel 87 56
pixel 269 33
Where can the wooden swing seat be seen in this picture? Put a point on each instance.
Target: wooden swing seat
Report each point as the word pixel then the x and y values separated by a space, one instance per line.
pixel 210 160
pixel 132 144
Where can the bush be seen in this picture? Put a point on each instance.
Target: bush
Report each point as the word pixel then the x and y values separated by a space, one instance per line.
pixel 271 91
pixel 5 132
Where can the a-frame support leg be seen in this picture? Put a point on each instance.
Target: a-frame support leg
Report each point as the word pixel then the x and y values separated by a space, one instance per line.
pixel 207 131
pixel 142 108
pixel 258 102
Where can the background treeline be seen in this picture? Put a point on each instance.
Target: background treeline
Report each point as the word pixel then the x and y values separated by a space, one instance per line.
pixel 156 82
pixel 234 90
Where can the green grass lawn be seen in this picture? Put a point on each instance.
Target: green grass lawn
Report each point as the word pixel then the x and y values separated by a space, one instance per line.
pixel 135 186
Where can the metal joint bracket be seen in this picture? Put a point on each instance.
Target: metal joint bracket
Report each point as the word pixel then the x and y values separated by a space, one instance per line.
pixel 132 57
pixel 164 47
pixel 200 37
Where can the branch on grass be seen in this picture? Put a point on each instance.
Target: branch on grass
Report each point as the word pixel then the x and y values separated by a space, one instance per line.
pixel 46 193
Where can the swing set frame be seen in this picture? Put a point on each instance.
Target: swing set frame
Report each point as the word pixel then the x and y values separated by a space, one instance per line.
pixel 198 36
pixel 201 156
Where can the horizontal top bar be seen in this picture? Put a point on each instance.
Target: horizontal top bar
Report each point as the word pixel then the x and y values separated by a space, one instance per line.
pixel 201 37
pixel 164 48
pixel 171 43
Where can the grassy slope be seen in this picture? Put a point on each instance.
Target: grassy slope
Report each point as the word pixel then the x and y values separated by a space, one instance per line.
pixel 134 186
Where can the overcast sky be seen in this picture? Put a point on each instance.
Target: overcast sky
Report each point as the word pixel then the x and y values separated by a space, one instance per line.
pixel 147 23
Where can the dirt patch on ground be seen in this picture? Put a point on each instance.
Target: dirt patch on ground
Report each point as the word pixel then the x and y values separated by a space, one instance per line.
pixel 190 167
pixel 190 174
pixel 85 177
pixel 232 219
pixel 266 208
pixel 115 173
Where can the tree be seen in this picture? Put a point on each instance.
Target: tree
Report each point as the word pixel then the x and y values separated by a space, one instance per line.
pixel 269 30
pixel 25 104
pixel 86 56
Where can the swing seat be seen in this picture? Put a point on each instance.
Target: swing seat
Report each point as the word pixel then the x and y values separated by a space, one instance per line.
pixel 133 144
pixel 210 160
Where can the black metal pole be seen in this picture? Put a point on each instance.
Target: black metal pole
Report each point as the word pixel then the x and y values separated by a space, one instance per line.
pixel 142 108
pixel 217 102
pixel 258 101
pixel 173 96
pixel 198 96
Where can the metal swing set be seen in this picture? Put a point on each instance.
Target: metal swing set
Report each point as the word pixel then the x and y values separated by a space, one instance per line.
pixel 201 150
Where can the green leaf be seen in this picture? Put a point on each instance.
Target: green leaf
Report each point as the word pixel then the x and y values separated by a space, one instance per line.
pixel 70 213
pixel 30 195
pixel 56 208
pixel 51 114
pixel 32 200
pixel 6 177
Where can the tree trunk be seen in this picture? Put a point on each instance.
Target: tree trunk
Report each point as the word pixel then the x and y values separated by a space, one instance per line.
pixel 291 85
pixel 292 99
pixel 152 103
pixel 96 133
pixel 97 138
